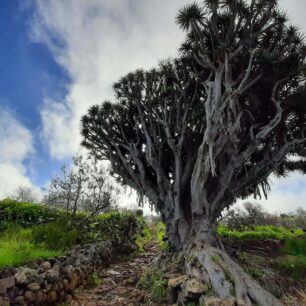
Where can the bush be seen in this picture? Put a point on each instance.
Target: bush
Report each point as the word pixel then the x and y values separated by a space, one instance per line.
pixel 295 266
pixel 26 214
pixel 154 281
pixel 17 248
pixel 144 237
pixel 56 236
pixel 161 236
pixel 253 215
pixel 120 228
pixel 56 231
pixel 294 262
pixel 295 246
pixel 260 232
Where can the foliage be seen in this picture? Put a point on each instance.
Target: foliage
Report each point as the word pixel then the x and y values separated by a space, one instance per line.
pixel 58 231
pixel 55 236
pixel 294 266
pixel 253 214
pixel 296 219
pixel 201 130
pixel 295 246
pixel 143 237
pixel 17 248
pixel 120 228
pixel 94 280
pixel 161 236
pixel 25 194
pixel 26 214
pixel 154 281
pixel 294 260
pixel 84 187
pixel 260 232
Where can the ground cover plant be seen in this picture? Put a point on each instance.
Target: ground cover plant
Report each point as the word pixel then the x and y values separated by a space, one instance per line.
pixel 17 247
pixel 294 260
pixel 32 231
pixel 154 281
pixel 26 214
pixel 260 232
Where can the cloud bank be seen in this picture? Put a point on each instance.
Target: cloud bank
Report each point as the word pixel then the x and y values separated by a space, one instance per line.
pixel 98 41
pixel 16 148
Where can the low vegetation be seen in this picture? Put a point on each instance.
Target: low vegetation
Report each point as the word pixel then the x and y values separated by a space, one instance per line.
pixel 17 247
pixel 154 281
pixel 161 236
pixel 294 260
pixel 260 232
pixel 31 231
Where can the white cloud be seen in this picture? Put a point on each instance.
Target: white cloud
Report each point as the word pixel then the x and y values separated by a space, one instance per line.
pixel 287 194
pixel 98 41
pixel 16 146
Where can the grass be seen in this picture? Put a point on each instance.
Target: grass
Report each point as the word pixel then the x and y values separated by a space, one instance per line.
pixel 294 260
pixel 94 280
pixel 160 235
pixel 17 248
pixel 144 237
pixel 154 281
pixel 261 232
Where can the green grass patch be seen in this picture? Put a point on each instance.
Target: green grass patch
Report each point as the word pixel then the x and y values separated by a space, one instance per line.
pixel 160 236
pixel 143 237
pixel 261 232
pixel 295 246
pixel 294 266
pixel 94 280
pixel 294 261
pixel 17 248
pixel 154 281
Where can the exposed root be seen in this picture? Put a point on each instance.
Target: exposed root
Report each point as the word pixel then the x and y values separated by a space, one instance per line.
pixel 227 278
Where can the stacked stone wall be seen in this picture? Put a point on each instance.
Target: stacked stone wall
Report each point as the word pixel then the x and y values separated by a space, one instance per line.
pixel 47 282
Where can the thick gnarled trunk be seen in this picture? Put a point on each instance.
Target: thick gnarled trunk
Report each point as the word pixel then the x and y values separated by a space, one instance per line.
pixel 227 278
pixel 197 239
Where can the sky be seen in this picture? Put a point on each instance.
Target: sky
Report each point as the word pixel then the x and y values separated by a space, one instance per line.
pixel 58 57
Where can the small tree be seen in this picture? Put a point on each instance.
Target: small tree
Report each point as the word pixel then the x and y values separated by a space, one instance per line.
pixel 205 129
pixel 84 187
pixel 25 194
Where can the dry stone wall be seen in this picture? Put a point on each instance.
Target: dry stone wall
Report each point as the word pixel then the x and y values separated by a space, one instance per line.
pixel 52 281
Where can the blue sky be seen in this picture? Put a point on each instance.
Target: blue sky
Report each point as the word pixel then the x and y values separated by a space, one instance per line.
pixel 59 57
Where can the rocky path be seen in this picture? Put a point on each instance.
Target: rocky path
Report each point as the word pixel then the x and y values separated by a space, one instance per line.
pixel 119 283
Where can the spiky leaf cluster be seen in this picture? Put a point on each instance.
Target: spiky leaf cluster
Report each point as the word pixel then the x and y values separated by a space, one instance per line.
pixel 219 119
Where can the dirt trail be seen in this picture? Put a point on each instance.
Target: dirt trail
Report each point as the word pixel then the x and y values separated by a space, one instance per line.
pixel 119 283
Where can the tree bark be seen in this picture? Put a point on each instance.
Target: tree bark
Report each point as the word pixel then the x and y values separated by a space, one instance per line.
pixel 206 260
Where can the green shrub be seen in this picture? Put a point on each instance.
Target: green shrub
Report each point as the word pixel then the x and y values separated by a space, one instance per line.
pixel 154 281
pixel 120 228
pixel 143 237
pixel 16 247
pixel 26 214
pixel 160 236
pixel 295 266
pixel 295 246
pixel 94 280
pixel 260 232
pixel 56 236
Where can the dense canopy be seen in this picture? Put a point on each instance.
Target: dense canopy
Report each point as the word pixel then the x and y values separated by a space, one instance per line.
pixel 233 102
pixel 209 127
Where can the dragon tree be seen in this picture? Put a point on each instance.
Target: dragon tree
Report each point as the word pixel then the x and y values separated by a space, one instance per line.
pixel 209 127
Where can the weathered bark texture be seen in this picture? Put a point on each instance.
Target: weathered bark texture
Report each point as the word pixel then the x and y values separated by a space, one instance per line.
pixel 227 278
pixel 207 261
